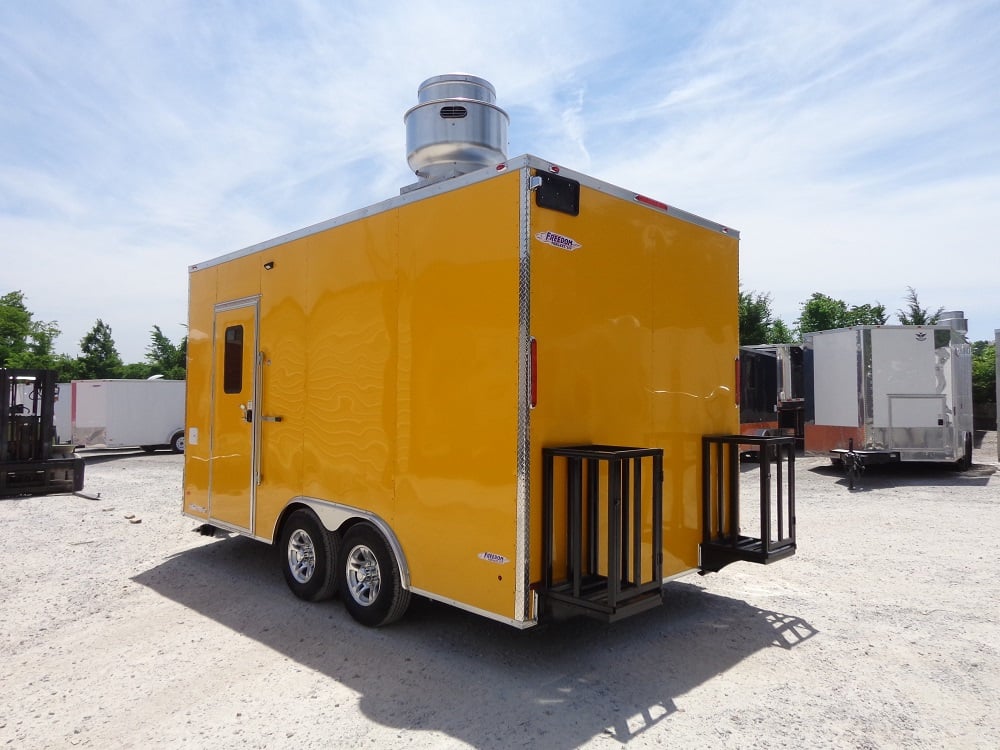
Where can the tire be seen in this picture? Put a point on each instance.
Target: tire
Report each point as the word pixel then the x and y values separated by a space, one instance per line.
pixel 308 557
pixel 177 442
pixel 370 582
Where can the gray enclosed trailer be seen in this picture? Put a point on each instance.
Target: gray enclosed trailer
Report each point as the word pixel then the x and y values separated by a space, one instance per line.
pixel 891 393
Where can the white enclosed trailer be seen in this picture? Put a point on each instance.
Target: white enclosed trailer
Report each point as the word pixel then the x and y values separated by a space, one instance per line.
pixel 127 413
pixel 891 393
pixel 63 412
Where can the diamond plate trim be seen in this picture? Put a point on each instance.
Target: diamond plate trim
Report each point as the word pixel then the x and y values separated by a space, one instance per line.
pixel 521 586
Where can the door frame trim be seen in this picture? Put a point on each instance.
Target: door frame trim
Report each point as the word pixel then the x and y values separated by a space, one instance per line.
pixel 237 304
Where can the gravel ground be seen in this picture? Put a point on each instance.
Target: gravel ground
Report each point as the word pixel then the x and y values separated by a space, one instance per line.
pixel 123 627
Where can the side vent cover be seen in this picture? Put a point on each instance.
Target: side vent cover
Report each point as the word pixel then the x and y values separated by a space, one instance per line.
pixel 558 193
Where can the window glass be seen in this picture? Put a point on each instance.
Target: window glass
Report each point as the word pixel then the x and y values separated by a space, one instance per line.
pixel 232 368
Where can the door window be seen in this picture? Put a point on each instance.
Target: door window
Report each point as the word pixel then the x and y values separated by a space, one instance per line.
pixel 232 368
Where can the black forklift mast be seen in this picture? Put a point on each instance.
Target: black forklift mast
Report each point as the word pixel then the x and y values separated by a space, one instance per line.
pixel 30 464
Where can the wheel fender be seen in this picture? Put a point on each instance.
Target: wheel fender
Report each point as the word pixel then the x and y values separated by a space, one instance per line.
pixel 334 515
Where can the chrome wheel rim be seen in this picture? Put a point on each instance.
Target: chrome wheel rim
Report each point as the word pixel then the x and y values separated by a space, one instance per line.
pixel 364 578
pixel 301 556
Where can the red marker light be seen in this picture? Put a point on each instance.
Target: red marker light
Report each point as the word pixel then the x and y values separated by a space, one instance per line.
pixel 554 169
pixel 739 375
pixel 650 202
pixel 501 167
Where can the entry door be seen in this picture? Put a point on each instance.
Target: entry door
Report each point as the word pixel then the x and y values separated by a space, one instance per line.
pixel 918 420
pixel 232 485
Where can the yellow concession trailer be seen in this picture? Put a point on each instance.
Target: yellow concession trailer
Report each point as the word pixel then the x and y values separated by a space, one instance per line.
pixel 513 391
pixel 512 388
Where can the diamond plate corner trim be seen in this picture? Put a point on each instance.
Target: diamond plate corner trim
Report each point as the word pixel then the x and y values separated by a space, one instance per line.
pixel 521 587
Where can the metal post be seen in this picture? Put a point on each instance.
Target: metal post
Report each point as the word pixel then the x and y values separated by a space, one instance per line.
pixel 547 521
pixel 658 517
pixel 791 495
pixel 734 492
pixel 614 530
pixel 765 498
pixel 574 497
pixel 779 491
pixel 637 522
pixel 593 510
pixel 706 491
pixel 626 512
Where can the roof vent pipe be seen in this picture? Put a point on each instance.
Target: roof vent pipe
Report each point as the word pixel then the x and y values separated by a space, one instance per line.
pixel 456 128
pixel 955 319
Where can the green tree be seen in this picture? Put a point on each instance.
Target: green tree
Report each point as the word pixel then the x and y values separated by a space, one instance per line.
pixel 757 323
pixel 867 315
pixel 780 333
pixel 984 372
pixel 67 368
pixel 915 315
pixel 754 316
pixel 135 371
pixel 823 313
pixel 25 343
pixel 98 356
pixel 15 327
pixel 166 358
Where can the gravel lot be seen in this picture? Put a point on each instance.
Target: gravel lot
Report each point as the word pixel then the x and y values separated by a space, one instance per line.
pixel 123 627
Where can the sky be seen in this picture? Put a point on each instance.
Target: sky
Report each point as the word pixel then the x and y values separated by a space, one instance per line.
pixel 855 145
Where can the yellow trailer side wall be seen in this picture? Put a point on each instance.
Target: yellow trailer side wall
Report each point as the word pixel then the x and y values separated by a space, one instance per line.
pixel 389 351
pixel 286 321
pixel 201 296
pixel 458 385
pixel 637 336
pixel 348 431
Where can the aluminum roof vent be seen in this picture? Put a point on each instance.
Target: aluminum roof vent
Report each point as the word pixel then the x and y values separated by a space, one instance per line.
pixel 955 319
pixel 456 128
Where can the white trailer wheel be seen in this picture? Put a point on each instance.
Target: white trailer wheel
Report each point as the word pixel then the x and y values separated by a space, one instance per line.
pixel 364 579
pixel 177 442
pixel 301 556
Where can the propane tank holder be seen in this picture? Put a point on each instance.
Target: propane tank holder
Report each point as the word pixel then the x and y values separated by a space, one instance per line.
pixel 722 541
pixel 620 574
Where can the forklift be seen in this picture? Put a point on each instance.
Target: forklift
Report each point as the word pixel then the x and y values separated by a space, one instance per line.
pixel 30 461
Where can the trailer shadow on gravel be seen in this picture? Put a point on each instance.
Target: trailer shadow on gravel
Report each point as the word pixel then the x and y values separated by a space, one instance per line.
pixel 476 680
pixel 886 476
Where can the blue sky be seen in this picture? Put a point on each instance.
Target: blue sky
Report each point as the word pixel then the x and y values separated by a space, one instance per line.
pixel 855 145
